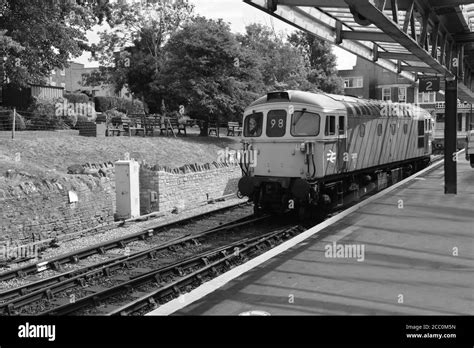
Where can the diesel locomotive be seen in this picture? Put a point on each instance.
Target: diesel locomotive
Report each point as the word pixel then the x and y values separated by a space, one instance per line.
pixel 312 152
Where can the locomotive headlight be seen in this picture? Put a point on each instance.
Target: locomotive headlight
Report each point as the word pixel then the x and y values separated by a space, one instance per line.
pixel 303 147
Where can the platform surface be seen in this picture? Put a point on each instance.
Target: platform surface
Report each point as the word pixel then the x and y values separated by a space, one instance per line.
pixel 418 260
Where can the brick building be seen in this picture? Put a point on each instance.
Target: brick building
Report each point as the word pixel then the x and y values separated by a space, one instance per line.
pixel 71 79
pixel 370 81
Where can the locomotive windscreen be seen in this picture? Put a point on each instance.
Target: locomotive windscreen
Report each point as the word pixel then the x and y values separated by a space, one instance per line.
pixel 253 125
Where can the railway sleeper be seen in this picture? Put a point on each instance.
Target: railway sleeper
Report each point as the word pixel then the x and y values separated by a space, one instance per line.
pixel 49 294
pixel 56 266
pixel 158 278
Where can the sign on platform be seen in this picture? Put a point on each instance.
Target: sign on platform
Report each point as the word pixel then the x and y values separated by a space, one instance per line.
pixel 429 84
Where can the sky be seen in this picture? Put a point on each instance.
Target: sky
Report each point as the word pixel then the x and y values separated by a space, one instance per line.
pixel 238 14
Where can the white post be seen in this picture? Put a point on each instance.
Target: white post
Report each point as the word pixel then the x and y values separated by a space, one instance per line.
pixel 14 123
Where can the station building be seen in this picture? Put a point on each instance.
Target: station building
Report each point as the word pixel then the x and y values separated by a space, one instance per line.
pixel 370 81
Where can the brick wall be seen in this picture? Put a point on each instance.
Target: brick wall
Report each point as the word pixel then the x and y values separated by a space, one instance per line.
pixel 188 185
pixel 32 211
pixel 41 209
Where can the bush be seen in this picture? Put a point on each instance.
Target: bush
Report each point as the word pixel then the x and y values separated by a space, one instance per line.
pixel 50 114
pixel 115 117
pixel 6 121
pixel 80 120
pixel 102 104
pixel 101 118
pixel 76 97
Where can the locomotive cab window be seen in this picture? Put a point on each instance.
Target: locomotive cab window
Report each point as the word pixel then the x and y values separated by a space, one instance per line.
pixel 330 128
pixel 341 125
pixel 421 133
pixel 276 123
pixel 304 123
pixel 253 125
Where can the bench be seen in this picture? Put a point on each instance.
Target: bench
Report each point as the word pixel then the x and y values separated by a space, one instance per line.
pixel 234 127
pixel 113 130
pixel 126 127
pixel 213 126
pixel 169 125
pixel 134 128
pixel 152 123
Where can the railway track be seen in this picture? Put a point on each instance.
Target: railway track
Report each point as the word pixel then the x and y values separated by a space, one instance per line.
pixel 147 291
pixel 138 282
pixel 63 288
pixel 76 256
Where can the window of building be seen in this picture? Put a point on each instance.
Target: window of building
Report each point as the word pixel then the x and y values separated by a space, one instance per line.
pixel 353 82
pixel 427 97
pixel 63 84
pixel 405 128
pixel 459 122
pixel 62 72
pixel 402 94
pixel 386 93
pixel 52 83
pixel 53 72
pixel 379 129
pixel 362 130
pixel 330 128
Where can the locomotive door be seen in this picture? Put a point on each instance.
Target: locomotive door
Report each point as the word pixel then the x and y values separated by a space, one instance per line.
pixel 342 155
pixel 427 135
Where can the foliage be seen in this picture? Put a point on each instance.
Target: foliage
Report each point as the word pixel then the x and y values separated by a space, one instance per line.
pixel 322 61
pixel 76 97
pixel 281 64
pixel 38 36
pixel 48 114
pixel 114 116
pixel 206 71
pixel 6 121
pixel 128 106
pixel 147 26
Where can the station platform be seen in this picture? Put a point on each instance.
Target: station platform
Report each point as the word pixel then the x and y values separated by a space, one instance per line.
pixel 417 259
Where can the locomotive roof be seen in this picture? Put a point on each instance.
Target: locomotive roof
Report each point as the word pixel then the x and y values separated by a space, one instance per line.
pixel 333 102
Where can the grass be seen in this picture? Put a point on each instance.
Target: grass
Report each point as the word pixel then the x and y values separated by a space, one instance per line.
pixel 46 154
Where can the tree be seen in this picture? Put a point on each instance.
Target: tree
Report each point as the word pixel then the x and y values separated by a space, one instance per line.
pixel 322 61
pixel 206 70
pixel 131 51
pixel 282 65
pixel 38 36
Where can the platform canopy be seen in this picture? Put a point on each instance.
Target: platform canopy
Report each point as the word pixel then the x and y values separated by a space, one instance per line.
pixel 408 37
